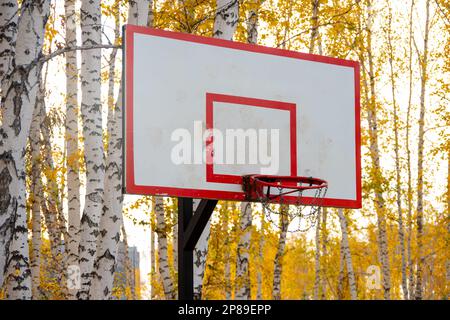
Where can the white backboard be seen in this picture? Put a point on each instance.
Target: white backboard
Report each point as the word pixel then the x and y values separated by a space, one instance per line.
pixel 258 109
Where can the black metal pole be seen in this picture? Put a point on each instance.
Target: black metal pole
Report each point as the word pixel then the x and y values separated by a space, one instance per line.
pixel 190 228
pixel 185 256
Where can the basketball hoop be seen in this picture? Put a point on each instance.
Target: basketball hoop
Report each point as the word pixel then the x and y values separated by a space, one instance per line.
pixel 304 193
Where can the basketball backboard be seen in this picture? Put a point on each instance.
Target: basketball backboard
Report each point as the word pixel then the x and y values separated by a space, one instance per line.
pixel 201 112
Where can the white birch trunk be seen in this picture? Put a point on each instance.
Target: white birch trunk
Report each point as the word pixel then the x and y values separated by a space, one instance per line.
pixel 259 294
pixel 91 114
pixel 284 223
pixel 252 27
pixel 36 195
pixel 397 161
pixel 324 252
pixel 227 17
pixel 19 103
pixel 317 259
pixel 315 25
pixel 175 243
pixel 420 183
pixel 408 160
pixel 8 34
pixel 163 259
pixel 376 165
pixel 53 214
pixel 242 269
pixel 340 284
pixel 71 137
pixel 447 262
pixel 152 260
pixel 129 270
pixel 151 16
pixel 227 273
pixel 200 254
pixel 36 240
pixel 111 219
pixel 347 254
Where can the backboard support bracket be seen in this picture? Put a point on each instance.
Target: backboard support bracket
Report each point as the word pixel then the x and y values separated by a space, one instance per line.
pixel 190 228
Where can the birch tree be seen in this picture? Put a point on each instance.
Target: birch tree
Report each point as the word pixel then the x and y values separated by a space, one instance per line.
pixel 200 255
pixel 91 115
pixel 347 254
pixel 18 103
pixel 36 200
pixel 8 34
pixel 376 169
pixel 324 254
pixel 423 59
pixel 226 19
pixel 71 137
pixel 242 260
pixel 314 26
pixel 53 214
pixel 278 263
pixel 317 259
pixel 112 218
pixel 397 156
pixel 408 158
pixel 104 266
pixel 163 258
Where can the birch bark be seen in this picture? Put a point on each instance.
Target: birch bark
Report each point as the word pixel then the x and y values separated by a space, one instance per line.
pixel 284 223
pixel 8 34
pixel 408 160
pixel 259 294
pixel 377 177
pixel 397 159
pixel 317 258
pixel 347 254
pixel 200 255
pixel 163 259
pixel 242 269
pixel 19 101
pixel 447 262
pixel 71 137
pixel 104 266
pixel 340 284
pixel 324 252
pixel 420 151
pixel 91 115
pixel 315 25
pixel 53 212
pixel 36 199
pixel 227 17
pixel 112 218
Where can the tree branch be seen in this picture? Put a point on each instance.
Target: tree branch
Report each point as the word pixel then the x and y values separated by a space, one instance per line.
pixel 58 52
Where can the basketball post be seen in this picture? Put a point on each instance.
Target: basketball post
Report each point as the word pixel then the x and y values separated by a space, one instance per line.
pixel 190 228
